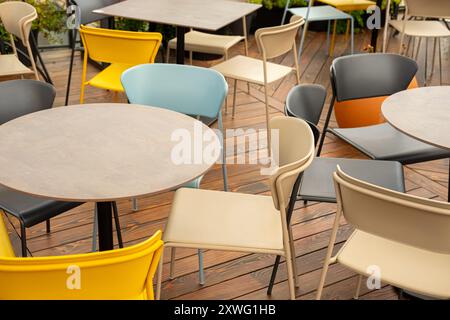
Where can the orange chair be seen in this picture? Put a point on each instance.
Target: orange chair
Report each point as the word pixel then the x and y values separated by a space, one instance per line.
pixel 362 112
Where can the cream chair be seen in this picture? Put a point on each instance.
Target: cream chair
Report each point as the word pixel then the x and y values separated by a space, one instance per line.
pixel 438 10
pixel 196 41
pixel 17 18
pixel 272 42
pixel 217 220
pixel 404 237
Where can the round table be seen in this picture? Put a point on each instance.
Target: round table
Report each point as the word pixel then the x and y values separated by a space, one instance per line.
pixel 422 113
pixel 102 153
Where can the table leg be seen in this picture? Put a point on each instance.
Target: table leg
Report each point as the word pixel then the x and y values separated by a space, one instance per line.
pixel 181 31
pixel 105 226
pixel 374 37
pixel 333 39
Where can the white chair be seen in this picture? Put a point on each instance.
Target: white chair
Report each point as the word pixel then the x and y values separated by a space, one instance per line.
pixel 401 239
pixel 228 221
pixel 17 18
pixel 197 41
pixel 272 42
pixel 437 10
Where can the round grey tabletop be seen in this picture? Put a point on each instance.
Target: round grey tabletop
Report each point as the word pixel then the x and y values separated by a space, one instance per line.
pixel 99 152
pixel 422 113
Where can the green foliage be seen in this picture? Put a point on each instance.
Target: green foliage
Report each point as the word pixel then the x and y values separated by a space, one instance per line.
pixel 51 19
pixel 270 4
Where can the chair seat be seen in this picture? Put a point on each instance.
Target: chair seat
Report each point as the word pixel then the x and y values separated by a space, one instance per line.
pixel 109 78
pixel 10 65
pixel 384 142
pixel 251 70
pixel 421 271
pixel 416 28
pixel 208 43
pixel 318 185
pixel 32 210
pixel 220 220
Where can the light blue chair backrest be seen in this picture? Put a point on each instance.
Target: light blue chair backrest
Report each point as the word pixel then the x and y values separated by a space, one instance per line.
pixel 186 89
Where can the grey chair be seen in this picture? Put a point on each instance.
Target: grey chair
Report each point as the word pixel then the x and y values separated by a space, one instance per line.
pixel 377 75
pixel 18 98
pixel 85 8
pixel 316 183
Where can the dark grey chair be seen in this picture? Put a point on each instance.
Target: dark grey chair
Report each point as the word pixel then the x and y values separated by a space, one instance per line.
pixel 316 183
pixel 376 75
pixel 85 8
pixel 18 98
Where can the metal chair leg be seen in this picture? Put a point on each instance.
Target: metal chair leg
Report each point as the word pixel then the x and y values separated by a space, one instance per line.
pixel 72 57
pixel 234 99
pixel 47 226
pixel 290 210
pixel 117 222
pixel 135 204
pixel 358 287
pixel 95 230
pixel 23 238
pixel 201 271
pixel 172 262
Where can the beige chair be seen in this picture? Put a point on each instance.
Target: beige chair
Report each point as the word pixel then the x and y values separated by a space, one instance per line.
pixel 411 26
pixel 403 236
pixel 217 220
pixel 272 42
pixel 17 18
pixel 196 41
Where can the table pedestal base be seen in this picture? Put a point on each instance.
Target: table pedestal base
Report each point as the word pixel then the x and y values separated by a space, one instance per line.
pixel 105 226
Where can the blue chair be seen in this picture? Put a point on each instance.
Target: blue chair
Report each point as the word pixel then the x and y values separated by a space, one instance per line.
pixel 193 91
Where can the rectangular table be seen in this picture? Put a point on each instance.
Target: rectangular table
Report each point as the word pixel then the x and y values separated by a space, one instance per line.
pixel 323 13
pixel 210 15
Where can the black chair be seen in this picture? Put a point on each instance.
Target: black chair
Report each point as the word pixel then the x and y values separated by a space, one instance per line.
pixel 18 98
pixel 376 75
pixel 316 183
pixel 85 8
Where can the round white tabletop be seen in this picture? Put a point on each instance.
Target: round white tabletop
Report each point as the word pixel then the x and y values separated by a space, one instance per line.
pixel 103 153
pixel 422 113
pixel 99 152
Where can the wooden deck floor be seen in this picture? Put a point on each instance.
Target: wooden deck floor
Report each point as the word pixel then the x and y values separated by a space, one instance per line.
pixel 237 275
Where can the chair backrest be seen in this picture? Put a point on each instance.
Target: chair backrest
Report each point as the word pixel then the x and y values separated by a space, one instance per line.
pixel 181 88
pixel 428 8
pixel 371 75
pixel 21 97
pixel 294 156
pixel 275 41
pixel 17 17
pixel 87 6
pixel 117 274
pixel 408 219
pixel 115 46
pixel 306 101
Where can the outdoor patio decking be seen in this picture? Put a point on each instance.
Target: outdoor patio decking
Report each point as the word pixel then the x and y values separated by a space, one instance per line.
pixel 237 275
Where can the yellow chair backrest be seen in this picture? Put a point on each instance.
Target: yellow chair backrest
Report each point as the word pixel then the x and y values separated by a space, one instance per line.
pixel 118 274
pixel 116 46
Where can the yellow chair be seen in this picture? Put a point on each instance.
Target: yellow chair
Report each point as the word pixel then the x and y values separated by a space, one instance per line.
pixel 118 274
pixel 122 49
